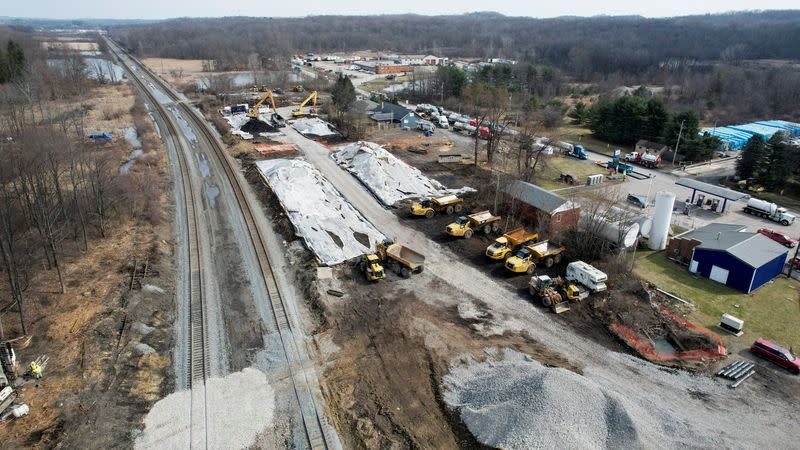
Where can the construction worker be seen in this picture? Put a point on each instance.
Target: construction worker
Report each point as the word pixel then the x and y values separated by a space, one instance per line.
pixel 36 370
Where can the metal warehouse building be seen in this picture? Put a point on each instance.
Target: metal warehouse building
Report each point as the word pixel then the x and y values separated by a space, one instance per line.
pixel 729 255
pixel 734 137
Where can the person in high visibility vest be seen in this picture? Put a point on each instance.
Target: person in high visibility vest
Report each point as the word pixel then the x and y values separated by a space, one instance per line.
pixel 36 370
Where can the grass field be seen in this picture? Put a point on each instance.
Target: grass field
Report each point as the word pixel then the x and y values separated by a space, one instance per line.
pixel 557 164
pixel 772 312
pixel 577 135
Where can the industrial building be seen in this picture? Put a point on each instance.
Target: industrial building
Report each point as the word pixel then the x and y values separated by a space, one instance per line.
pixel 390 112
pixel 728 254
pixel 734 137
pixel 547 210
pixel 380 68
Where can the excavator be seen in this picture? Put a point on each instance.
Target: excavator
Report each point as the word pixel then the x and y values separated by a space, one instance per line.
pixel 312 112
pixel 276 119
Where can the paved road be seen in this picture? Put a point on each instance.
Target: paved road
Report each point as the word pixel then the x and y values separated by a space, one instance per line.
pixel 664 394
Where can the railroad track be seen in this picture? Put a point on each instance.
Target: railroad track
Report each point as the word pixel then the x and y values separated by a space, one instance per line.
pixel 198 364
pixel 314 422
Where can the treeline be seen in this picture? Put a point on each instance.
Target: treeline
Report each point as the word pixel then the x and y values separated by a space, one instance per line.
pixel 770 164
pixel 629 118
pixel 588 47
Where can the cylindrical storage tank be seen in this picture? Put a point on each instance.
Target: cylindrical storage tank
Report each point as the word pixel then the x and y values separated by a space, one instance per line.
pixel 765 206
pixel 659 231
pixel 645 223
pixel 622 234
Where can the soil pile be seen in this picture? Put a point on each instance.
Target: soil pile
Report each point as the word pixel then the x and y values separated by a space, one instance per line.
pixel 257 126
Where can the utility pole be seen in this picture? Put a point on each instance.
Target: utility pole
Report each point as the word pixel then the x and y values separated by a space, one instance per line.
pixel 497 193
pixel 675 153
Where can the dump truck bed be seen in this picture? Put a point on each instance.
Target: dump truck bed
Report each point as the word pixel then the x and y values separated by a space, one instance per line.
pixel 406 255
pixel 519 235
pixel 483 217
pixel 447 199
pixel 545 248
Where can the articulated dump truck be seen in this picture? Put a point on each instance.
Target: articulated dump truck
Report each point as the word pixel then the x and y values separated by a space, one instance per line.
pixel 465 226
pixel 505 246
pixel 398 258
pixel 525 260
pixel 430 206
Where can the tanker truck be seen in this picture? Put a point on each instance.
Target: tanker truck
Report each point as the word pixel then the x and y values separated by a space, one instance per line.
pixel 767 210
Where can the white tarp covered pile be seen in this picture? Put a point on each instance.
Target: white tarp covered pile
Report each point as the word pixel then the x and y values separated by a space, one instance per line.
pixel 313 126
pixel 389 178
pixel 328 224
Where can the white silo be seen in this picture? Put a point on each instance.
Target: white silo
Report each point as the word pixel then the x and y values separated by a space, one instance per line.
pixel 659 231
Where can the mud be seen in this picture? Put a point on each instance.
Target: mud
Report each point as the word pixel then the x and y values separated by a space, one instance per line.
pixel 383 383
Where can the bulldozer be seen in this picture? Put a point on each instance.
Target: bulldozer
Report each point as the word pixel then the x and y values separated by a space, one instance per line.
pixel 372 268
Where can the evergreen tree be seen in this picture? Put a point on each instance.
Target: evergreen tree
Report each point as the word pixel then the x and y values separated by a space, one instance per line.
pixel 753 158
pixel 778 163
pixel 656 117
pixel 343 93
pixel 579 114
pixel 691 127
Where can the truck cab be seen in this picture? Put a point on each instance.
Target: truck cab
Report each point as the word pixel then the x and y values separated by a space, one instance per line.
pixel 372 268
pixel 632 156
pixel 521 262
pixel 499 249
pixel 442 122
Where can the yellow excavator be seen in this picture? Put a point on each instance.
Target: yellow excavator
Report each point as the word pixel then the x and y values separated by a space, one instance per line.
pixel 312 112
pixel 253 113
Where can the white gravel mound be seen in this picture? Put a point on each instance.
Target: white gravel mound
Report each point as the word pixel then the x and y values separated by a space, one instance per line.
pixel 389 178
pixel 241 406
pixel 313 126
pixel 514 402
pixel 329 225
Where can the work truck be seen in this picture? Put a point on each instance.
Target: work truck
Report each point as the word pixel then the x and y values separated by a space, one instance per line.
pixel 465 226
pixel 505 246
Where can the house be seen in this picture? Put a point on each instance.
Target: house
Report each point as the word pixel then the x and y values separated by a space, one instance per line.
pixel 645 146
pixel 431 60
pixel 730 255
pixel 547 210
pixel 390 112
pixel 411 60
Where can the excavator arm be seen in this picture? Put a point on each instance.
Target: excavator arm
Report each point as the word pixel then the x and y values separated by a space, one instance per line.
pixel 254 110
pixel 311 96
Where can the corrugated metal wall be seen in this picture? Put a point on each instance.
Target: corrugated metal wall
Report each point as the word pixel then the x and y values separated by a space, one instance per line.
pixel 768 271
pixel 739 273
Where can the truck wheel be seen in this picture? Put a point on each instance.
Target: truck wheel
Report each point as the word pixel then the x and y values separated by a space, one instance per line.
pixel 557 258
pixel 532 290
pixel 548 262
pixel 429 214
pixel 405 272
pixel 547 301
pixel 487 229
pixel 785 222
pixel 468 234
pixel 459 207
pixel 530 270
pixel 495 227
pixel 449 210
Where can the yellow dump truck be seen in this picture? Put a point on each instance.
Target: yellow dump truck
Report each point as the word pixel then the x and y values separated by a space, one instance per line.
pixel 467 225
pixel 430 206
pixel 371 267
pixel 525 260
pixel 555 293
pixel 399 258
pixel 507 244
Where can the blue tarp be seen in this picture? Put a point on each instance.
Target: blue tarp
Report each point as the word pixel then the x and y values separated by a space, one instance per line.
pixel 734 137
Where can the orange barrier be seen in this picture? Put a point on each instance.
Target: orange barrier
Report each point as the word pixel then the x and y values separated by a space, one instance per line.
pixel 649 352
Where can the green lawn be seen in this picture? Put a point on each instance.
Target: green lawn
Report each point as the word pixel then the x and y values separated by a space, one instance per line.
pixel 772 311
pixel 577 135
pixel 557 164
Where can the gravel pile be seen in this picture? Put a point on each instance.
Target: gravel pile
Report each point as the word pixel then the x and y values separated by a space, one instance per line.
pixel 389 178
pixel 511 401
pixel 313 127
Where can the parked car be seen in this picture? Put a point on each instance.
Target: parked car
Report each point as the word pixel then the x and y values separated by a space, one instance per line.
pixel 638 200
pixel 779 237
pixel 777 354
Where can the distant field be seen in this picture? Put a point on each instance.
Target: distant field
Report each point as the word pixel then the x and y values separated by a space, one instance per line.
pixel 557 164
pixel 772 312
pixel 84 46
pixel 583 136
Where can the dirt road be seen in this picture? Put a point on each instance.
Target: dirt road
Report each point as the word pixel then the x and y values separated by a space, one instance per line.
pixel 695 410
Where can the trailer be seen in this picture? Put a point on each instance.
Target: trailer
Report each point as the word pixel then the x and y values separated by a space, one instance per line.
pixel 768 210
pixel 649 160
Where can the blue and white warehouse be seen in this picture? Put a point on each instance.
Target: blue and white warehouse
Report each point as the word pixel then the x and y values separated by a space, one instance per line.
pixel 734 137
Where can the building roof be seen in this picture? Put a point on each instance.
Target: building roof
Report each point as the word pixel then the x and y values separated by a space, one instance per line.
pixel 712 189
pixel 390 111
pixel 364 106
pixel 650 145
pixel 753 249
pixel 538 197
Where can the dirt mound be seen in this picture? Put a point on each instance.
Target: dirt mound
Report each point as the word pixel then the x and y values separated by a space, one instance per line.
pixel 254 126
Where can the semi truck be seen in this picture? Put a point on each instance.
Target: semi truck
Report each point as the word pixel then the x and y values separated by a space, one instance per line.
pixel 525 260
pixel 465 226
pixel 505 246
pixel 771 211
pixel 648 160
pixel 399 258
pixel 576 151
pixel 430 206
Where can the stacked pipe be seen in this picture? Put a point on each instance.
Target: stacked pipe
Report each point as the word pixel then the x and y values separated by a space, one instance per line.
pixel 737 371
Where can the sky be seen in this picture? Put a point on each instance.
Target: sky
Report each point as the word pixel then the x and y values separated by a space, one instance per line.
pixel 161 9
